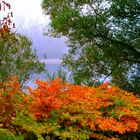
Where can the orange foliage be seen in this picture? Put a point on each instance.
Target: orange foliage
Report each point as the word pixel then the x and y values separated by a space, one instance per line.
pixel 96 112
pixel 12 86
pixel 11 100
pixel 104 85
pixel 101 109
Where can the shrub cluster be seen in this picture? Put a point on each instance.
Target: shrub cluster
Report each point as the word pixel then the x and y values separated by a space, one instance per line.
pixel 56 110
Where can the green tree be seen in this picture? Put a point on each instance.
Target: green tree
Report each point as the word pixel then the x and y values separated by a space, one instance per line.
pixel 17 58
pixel 104 39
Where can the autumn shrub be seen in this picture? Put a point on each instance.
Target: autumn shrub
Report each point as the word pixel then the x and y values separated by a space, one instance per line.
pixel 69 111
pixel 57 110
pixel 14 114
pixel 8 100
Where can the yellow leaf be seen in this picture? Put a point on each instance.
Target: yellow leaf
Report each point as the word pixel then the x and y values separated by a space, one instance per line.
pixel 1 125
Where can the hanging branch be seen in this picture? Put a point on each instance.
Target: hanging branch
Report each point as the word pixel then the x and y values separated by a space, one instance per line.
pixel 6 22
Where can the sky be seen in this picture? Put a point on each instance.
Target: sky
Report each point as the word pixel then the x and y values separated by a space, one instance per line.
pixel 27 11
pixel 30 21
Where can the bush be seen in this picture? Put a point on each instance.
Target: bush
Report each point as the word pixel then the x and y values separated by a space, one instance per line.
pixel 14 112
pixel 69 111
pixel 57 110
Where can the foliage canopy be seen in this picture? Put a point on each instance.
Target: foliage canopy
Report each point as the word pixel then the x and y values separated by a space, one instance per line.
pixel 104 39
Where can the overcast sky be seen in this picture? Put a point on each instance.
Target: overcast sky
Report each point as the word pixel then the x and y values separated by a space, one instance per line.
pixel 30 21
